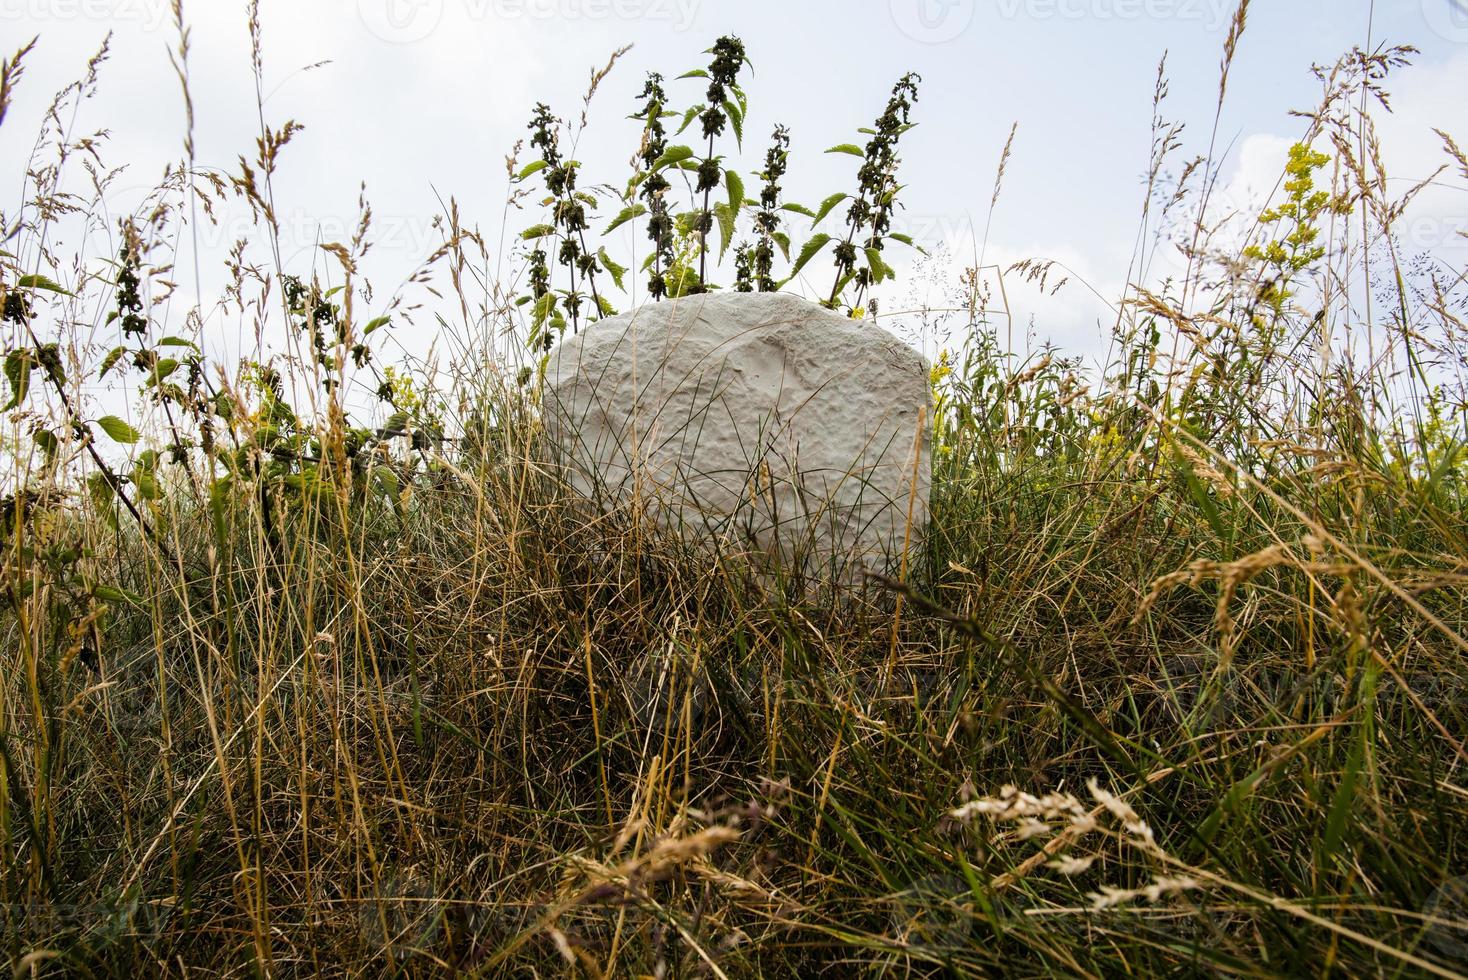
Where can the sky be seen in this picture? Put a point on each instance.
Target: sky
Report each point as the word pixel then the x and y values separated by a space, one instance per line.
pixel 421 100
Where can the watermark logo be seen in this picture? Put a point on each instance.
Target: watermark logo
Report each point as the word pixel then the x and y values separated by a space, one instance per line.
pixel 135 710
pixel 932 21
pixel 401 21
pixel 405 916
pixel 1447 912
pixel 933 914
pixel 150 14
pixel 670 695
pixel 654 687
pixel 408 21
pixel 1448 19
pixel 1212 14
pixel 95 926
pixel 1433 232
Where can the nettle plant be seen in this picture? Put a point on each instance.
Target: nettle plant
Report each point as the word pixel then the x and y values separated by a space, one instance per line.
pixel 275 441
pixel 269 439
pixel 693 203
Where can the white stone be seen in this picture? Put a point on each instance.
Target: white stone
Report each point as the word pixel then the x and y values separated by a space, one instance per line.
pixel 759 422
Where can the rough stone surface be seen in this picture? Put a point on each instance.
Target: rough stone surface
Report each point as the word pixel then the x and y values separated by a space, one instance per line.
pixel 759 422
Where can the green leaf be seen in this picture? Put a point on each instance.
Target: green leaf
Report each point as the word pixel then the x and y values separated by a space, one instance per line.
pixel 727 219
pixel 849 148
pixel 688 117
pixel 110 361
pixel 39 282
pixel 808 252
pixel 672 155
pixel 798 209
pixel 220 497
pixel 146 483
pixel 163 369
pixel 907 240
pixel 684 222
pixel 111 593
pixel 616 271
pixel 177 342
pixel 845 281
pixel 1346 796
pixel 536 232
pixel 880 269
pixel 543 307
pixel 1201 496
pixel 782 240
pixel 694 73
pixel 530 169
pixel 376 324
pixel 48 442
pixel 827 205
pixel 118 430
pixel 736 119
pixel 624 216
pixel 18 367
pixel 735 183
pixel 681 281
pixel 387 481
pixel 100 489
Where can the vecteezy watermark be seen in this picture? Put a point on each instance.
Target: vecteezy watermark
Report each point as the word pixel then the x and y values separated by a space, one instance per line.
pixel 1447 912
pixel 930 232
pixel 300 231
pixel 1212 14
pixel 134 710
pixel 932 21
pixel 408 21
pixel 151 14
pixel 937 21
pixel 656 688
pixel 1438 692
pixel 405 916
pixel 1432 232
pixel 401 21
pixel 1448 19
pixel 95 925
pixel 670 694
pixel 932 913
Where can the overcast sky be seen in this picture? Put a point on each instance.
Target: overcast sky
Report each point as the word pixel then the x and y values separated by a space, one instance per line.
pixel 422 99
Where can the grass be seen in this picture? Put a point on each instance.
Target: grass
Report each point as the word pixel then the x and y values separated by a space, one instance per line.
pixel 1177 686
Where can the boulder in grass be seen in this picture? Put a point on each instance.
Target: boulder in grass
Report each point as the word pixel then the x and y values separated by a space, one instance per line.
pixel 759 422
